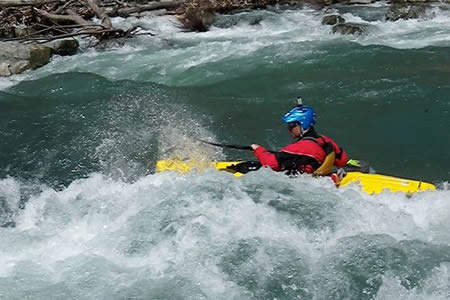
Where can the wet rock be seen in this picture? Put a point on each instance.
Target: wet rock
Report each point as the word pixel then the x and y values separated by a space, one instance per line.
pixel 4 69
pixel 350 28
pixel 64 47
pixel 19 66
pixel 402 10
pixel 332 20
pixel 38 55
pixel 14 66
pixel 15 58
pixel 198 20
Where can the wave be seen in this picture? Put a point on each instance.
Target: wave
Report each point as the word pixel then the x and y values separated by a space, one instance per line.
pixel 65 126
pixel 212 235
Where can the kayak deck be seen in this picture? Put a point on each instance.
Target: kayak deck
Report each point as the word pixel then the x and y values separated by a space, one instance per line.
pixel 191 165
pixel 369 183
pixel 376 183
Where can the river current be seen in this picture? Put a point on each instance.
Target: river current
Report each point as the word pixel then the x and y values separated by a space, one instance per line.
pixel 83 215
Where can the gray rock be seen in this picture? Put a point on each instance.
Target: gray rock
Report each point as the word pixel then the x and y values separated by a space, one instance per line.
pixel 19 66
pixel 332 20
pixel 405 11
pixel 4 69
pixel 17 57
pixel 63 47
pixel 198 19
pixel 38 55
pixel 22 30
pixel 350 28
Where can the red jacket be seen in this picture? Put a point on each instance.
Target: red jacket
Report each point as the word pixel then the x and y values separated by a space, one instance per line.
pixel 305 155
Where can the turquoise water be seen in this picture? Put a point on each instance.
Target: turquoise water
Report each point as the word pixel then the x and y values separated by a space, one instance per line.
pixel 84 216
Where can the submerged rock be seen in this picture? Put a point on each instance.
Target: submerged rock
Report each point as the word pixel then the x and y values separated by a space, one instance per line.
pixel 198 19
pixel 332 20
pixel 402 10
pixel 350 28
pixel 64 47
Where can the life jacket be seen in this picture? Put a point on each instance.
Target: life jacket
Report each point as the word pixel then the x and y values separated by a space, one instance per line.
pixel 323 149
pixel 328 145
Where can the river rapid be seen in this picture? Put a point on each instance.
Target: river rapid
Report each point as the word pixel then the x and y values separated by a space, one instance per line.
pixel 83 215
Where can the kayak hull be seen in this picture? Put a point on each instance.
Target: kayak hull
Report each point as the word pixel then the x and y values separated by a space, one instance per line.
pixel 376 183
pixel 369 183
pixel 191 165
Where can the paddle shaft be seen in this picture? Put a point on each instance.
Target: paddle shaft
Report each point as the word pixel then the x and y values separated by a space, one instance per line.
pixel 237 147
pixel 230 146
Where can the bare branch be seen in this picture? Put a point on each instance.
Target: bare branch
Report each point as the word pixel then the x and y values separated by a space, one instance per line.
pixel 62 8
pixel 100 13
pixel 79 19
pixel 125 12
pixel 11 3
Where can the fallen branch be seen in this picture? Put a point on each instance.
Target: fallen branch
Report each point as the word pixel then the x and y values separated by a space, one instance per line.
pixel 106 22
pixel 125 12
pixel 50 22
pixel 11 3
pixel 72 17
pixel 42 40
pixel 62 8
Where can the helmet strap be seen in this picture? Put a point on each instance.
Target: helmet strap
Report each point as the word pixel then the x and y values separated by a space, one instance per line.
pixel 303 131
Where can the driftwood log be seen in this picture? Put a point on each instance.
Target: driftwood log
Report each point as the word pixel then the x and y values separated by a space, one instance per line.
pixel 16 3
pixel 41 21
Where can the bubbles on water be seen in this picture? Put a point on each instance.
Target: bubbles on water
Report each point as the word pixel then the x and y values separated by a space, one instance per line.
pixel 9 200
pixel 211 235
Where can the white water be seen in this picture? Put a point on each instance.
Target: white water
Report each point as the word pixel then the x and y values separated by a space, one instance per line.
pixel 169 236
pixel 172 56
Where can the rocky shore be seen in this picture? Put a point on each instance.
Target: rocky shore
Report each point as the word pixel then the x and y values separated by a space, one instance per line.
pixel 32 31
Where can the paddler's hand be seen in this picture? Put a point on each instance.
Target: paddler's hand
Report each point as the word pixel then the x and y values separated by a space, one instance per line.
pixel 255 146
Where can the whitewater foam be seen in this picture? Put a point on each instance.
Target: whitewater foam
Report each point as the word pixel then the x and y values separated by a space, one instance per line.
pixel 281 34
pixel 167 225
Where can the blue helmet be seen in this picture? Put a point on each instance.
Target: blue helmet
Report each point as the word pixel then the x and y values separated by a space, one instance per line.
pixel 304 115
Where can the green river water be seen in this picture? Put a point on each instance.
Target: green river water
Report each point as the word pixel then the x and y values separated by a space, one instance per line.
pixel 84 216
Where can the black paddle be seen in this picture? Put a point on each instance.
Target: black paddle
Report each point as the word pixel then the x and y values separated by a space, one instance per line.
pixel 237 147
pixel 230 146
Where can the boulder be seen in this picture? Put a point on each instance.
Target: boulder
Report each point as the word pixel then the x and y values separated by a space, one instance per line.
pixel 19 66
pixel 4 69
pixel 401 10
pixel 332 20
pixel 14 66
pixel 198 19
pixel 15 58
pixel 350 28
pixel 63 47
pixel 37 55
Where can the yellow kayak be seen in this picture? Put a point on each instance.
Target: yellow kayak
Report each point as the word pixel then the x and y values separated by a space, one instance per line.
pixel 370 183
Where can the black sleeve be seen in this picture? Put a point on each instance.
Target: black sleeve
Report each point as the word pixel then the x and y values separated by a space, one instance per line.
pixel 289 161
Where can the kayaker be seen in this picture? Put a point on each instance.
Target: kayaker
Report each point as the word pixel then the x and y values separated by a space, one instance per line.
pixel 309 152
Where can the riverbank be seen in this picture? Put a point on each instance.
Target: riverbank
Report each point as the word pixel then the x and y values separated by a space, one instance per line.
pixel 35 30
